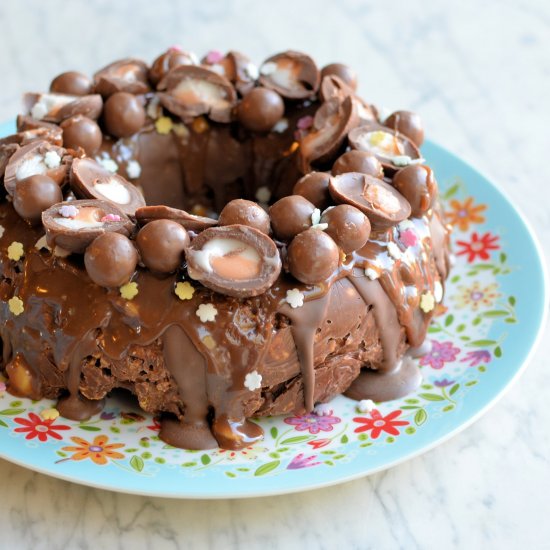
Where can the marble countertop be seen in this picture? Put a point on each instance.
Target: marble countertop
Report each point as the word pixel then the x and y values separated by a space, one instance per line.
pixel 479 73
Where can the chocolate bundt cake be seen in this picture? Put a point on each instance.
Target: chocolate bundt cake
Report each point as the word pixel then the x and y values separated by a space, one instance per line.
pixel 221 240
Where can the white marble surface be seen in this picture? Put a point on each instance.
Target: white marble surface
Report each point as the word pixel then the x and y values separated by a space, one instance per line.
pixel 479 73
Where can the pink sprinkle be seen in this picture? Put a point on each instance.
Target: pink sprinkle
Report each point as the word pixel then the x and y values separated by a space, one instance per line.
pixel 214 56
pixel 408 237
pixel 305 122
pixel 175 48
pixel 111 218
pixel 68 211
pixel 3 386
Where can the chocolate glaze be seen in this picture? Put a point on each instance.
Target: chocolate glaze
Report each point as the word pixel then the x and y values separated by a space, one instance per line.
pixel 79 341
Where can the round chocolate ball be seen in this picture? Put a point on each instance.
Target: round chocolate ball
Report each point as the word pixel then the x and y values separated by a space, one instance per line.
pixel 111 260
pixel 81 131
pixel 124 115
pixel 358 161
pixel 409 124
pixel 260 109
pixel 347 74
pixel 243 212
pixel 313 256
pixel 290 215
pixel 35 194
pixel 71 82
pixel 348 227
pixel 161 244
pixel 314 187
pixel 417 184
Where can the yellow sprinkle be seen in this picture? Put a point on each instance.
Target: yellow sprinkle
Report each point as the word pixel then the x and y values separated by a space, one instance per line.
pixel 164 125
pixel 16 305
pixel 291 149
pixel 184 291
pixel 49 414
pixel 15 251
pixel 181 130
pixel 129 291
pixel 427 302
pixel 200 125
pixel 376 138
pixel 209 342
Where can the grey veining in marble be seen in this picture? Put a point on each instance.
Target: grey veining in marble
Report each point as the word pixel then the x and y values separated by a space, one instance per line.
pixel 479 73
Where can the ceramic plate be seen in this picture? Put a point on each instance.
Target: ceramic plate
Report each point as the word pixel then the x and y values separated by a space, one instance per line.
pixel 482 338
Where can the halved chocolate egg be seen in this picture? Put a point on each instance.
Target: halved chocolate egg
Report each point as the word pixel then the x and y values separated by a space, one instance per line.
pixel 126 75
pixel 382 203
pixel 147 214
pixel 90 180
pixel 58 107
pixel 73 225
pixel 234 260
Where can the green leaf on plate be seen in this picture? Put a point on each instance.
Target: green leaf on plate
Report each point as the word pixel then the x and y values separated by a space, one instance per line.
pixel 482 343
pixel 266 468
pixel 449 320
pixel 512 300
pixel 454 389
pixel 12 412
pixel 498 351
pixel 230 474
pixel 420 417
pixel 274 432
pixel 137 463
pixel 434 329
pixel 90 428
pixel 431 397
pixel 295 439
pixel 189 464
pixel 344 439
pixel 205 459
pixel 3 424
pixel 494 313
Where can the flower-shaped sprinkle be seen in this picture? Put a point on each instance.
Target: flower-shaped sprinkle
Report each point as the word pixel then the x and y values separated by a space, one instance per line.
pixel 281 126
pixel 206 312
pixel 111 218
pixel 49 414
pixel 393 251
pixel 263 194
pixel 109 164
pixel 253 381
pixel 16 305
pixel 323 409
pixel 316 216
pixel 15 251
pixel 1 231
pixel 438 292
pixel 52 159
pixel 129 291
pixel 427 302
pixel 163 125
pixel 294 298
pixel 133 169
pixel 214 56
pixel 184 291
pixel 68 211
pixel 366 406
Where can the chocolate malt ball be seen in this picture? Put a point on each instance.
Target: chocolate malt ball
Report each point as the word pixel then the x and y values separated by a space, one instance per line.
pixel 314 187
pixel 243 212
pixel 313 256
pixel 81 131
pixel 348 227
pixel 124 115
pixel 260 109
pixel 35 194
pixel 407 123
pixel 417 184
pixel 161 244
pixel 290 215
pixel 111 260
pixel 344 72
pixel 71 82
pixel 358 161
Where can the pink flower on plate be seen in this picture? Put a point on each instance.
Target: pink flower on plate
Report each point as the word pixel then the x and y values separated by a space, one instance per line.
pixel 34 426
pixel 313 423
pixel 474 358
pixel 301 461
pixel 442 352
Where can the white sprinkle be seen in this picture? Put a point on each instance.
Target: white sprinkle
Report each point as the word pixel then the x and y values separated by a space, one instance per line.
pixel 281 126
pixel 252 71
pixel 268 68
pixel 405 160
pixel 263 194
pixel 320 226
pixel 109 164
pixel 323 409
pixel 393 251
pixel 42 243
pixel 217 68
pixel 438 291
pixel 133 169
pixel 52 159
pixel 366 406
pixel 316 216
pixel 206 312
pixel 1 231
pixel 294 298
pixel 371 273
pixel 253 381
